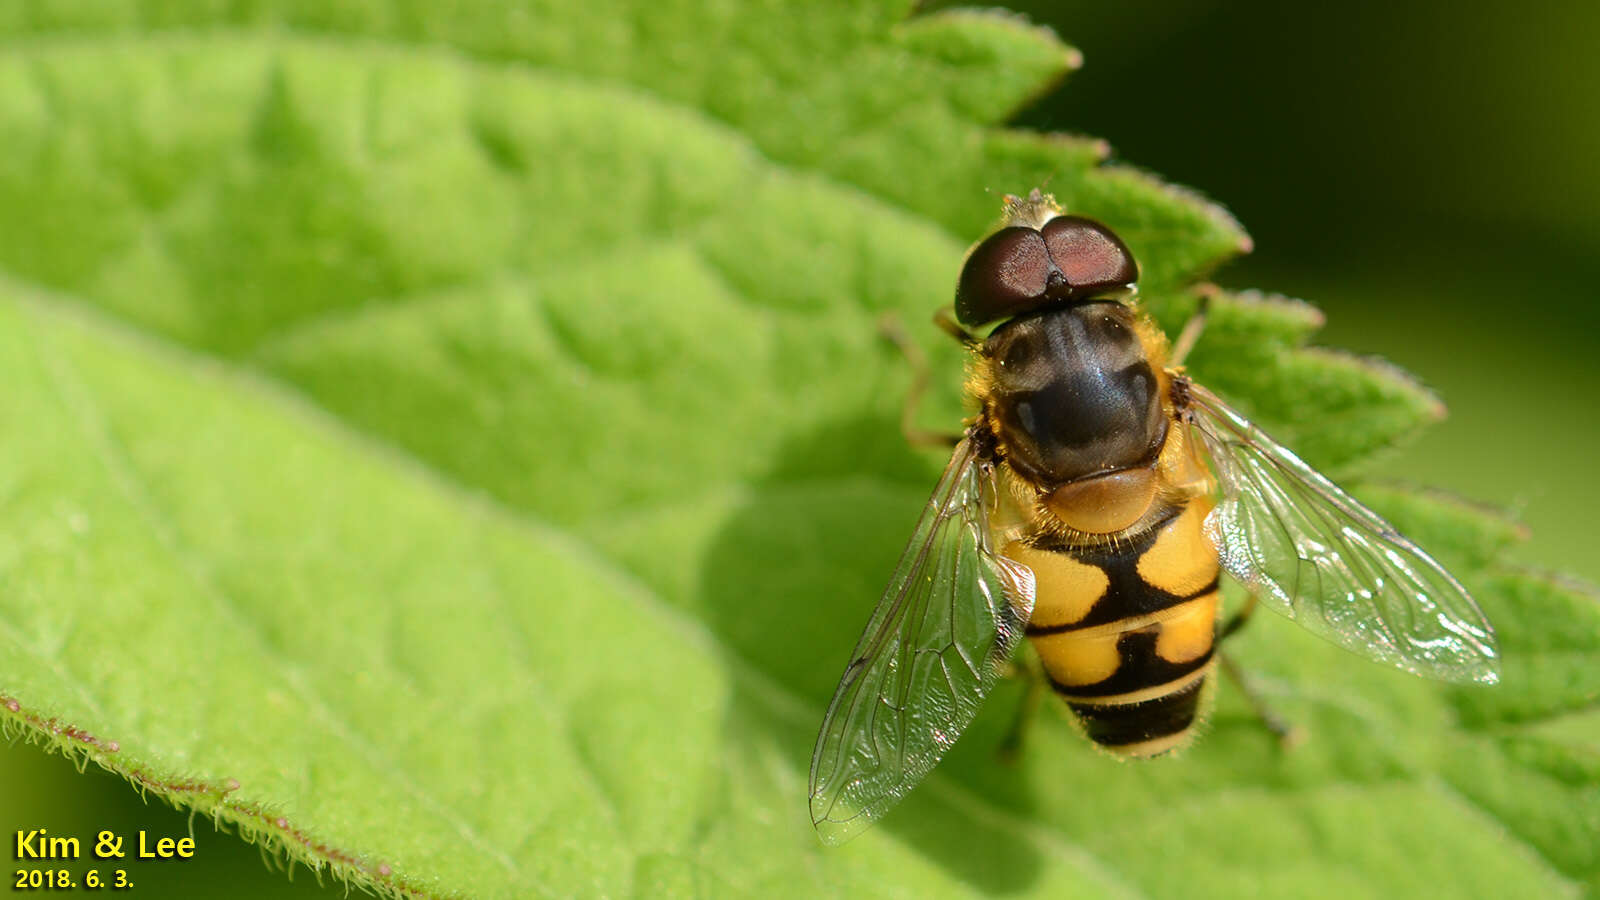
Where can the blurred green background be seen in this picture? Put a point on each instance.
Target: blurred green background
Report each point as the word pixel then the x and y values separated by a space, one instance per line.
pixel 1423 172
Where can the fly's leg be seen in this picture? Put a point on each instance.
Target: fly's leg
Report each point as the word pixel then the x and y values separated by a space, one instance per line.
pixel 890 327
pixel 1192 328
pixel 1010 749
pixel 1239 619
pixel 946 320
pixel 1289 736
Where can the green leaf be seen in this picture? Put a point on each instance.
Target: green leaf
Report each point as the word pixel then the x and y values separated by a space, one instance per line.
pixel 453 447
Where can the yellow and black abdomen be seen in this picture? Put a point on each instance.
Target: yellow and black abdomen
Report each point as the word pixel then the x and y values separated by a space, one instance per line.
pixel 1126 628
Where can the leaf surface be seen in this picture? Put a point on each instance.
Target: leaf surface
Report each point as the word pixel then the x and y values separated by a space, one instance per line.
pixel 456 448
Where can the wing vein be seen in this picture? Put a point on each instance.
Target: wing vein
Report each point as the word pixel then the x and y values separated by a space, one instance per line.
pixel 1317 555
pixel 903 701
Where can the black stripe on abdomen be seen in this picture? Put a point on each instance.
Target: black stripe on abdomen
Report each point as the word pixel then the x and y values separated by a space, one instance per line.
pixel 1127 594
pixel 1140 667
pixel 1119 725
pixel 1141 599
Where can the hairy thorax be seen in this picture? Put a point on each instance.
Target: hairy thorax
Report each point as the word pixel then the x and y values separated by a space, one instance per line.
pixel 1077 399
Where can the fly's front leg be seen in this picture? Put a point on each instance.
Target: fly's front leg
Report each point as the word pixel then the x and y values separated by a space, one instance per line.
pixel 1190 334
pixel 1289 735
pixel 890 327
pixel 1239 619
pixel 945 318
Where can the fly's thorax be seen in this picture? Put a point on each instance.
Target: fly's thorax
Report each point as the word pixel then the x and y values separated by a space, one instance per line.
pixel 1072 393
pixel 1077 401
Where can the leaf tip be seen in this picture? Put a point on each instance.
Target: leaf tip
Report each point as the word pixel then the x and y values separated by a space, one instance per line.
pixel 1225 235
pixel 1299 318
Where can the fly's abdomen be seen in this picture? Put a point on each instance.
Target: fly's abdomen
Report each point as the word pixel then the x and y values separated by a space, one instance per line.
pixel 1126 630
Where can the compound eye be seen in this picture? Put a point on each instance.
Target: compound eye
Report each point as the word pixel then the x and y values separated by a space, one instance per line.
pixel 1089 254
pixel 1004 275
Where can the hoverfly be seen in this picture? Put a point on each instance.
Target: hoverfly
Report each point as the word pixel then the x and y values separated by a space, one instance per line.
pixel 1077 509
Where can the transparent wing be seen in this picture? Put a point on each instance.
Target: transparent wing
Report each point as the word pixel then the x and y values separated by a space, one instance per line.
pixel 935 645
pixel 1315 554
